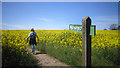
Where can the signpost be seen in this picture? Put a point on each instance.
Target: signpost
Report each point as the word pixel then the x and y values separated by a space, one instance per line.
pixel 87 30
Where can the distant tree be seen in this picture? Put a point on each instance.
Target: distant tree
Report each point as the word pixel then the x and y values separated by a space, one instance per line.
pixel 119 27
pixel 113 27
pixel 105 29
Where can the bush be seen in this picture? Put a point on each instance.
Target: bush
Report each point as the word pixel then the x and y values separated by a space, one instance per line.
pixel 16 58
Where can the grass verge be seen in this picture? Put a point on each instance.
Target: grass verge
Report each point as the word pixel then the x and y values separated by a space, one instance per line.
pixel 73 57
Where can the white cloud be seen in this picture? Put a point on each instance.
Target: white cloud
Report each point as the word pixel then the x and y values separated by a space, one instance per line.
pixel 13 25
pixel 8 26
pixel 105 19
pixel 102 22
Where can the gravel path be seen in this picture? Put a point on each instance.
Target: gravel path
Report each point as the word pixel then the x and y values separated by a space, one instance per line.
pixel 46 60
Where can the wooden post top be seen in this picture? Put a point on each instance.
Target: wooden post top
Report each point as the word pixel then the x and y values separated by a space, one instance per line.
pixel 86 18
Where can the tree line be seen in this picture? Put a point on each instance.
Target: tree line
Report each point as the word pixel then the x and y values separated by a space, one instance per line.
pixel 114 27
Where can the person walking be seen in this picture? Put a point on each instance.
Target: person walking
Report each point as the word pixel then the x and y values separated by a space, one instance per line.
pixel 32 41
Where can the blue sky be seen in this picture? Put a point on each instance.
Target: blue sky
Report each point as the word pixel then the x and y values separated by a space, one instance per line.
pixel 57 15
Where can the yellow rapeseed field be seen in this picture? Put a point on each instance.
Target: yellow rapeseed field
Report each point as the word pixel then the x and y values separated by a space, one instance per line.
pixel 66 38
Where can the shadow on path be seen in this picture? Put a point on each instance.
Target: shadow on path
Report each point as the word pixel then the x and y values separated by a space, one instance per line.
pixel 40 53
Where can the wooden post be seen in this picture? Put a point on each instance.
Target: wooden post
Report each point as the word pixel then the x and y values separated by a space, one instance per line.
pixel 86 42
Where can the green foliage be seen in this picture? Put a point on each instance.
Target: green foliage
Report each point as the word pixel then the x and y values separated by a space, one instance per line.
pixel 16 58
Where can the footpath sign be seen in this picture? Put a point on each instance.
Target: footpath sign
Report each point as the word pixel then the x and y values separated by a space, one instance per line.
pixel 87 30
pixel 78 28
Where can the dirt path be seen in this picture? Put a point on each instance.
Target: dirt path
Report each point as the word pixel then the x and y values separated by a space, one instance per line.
pixel 46 60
